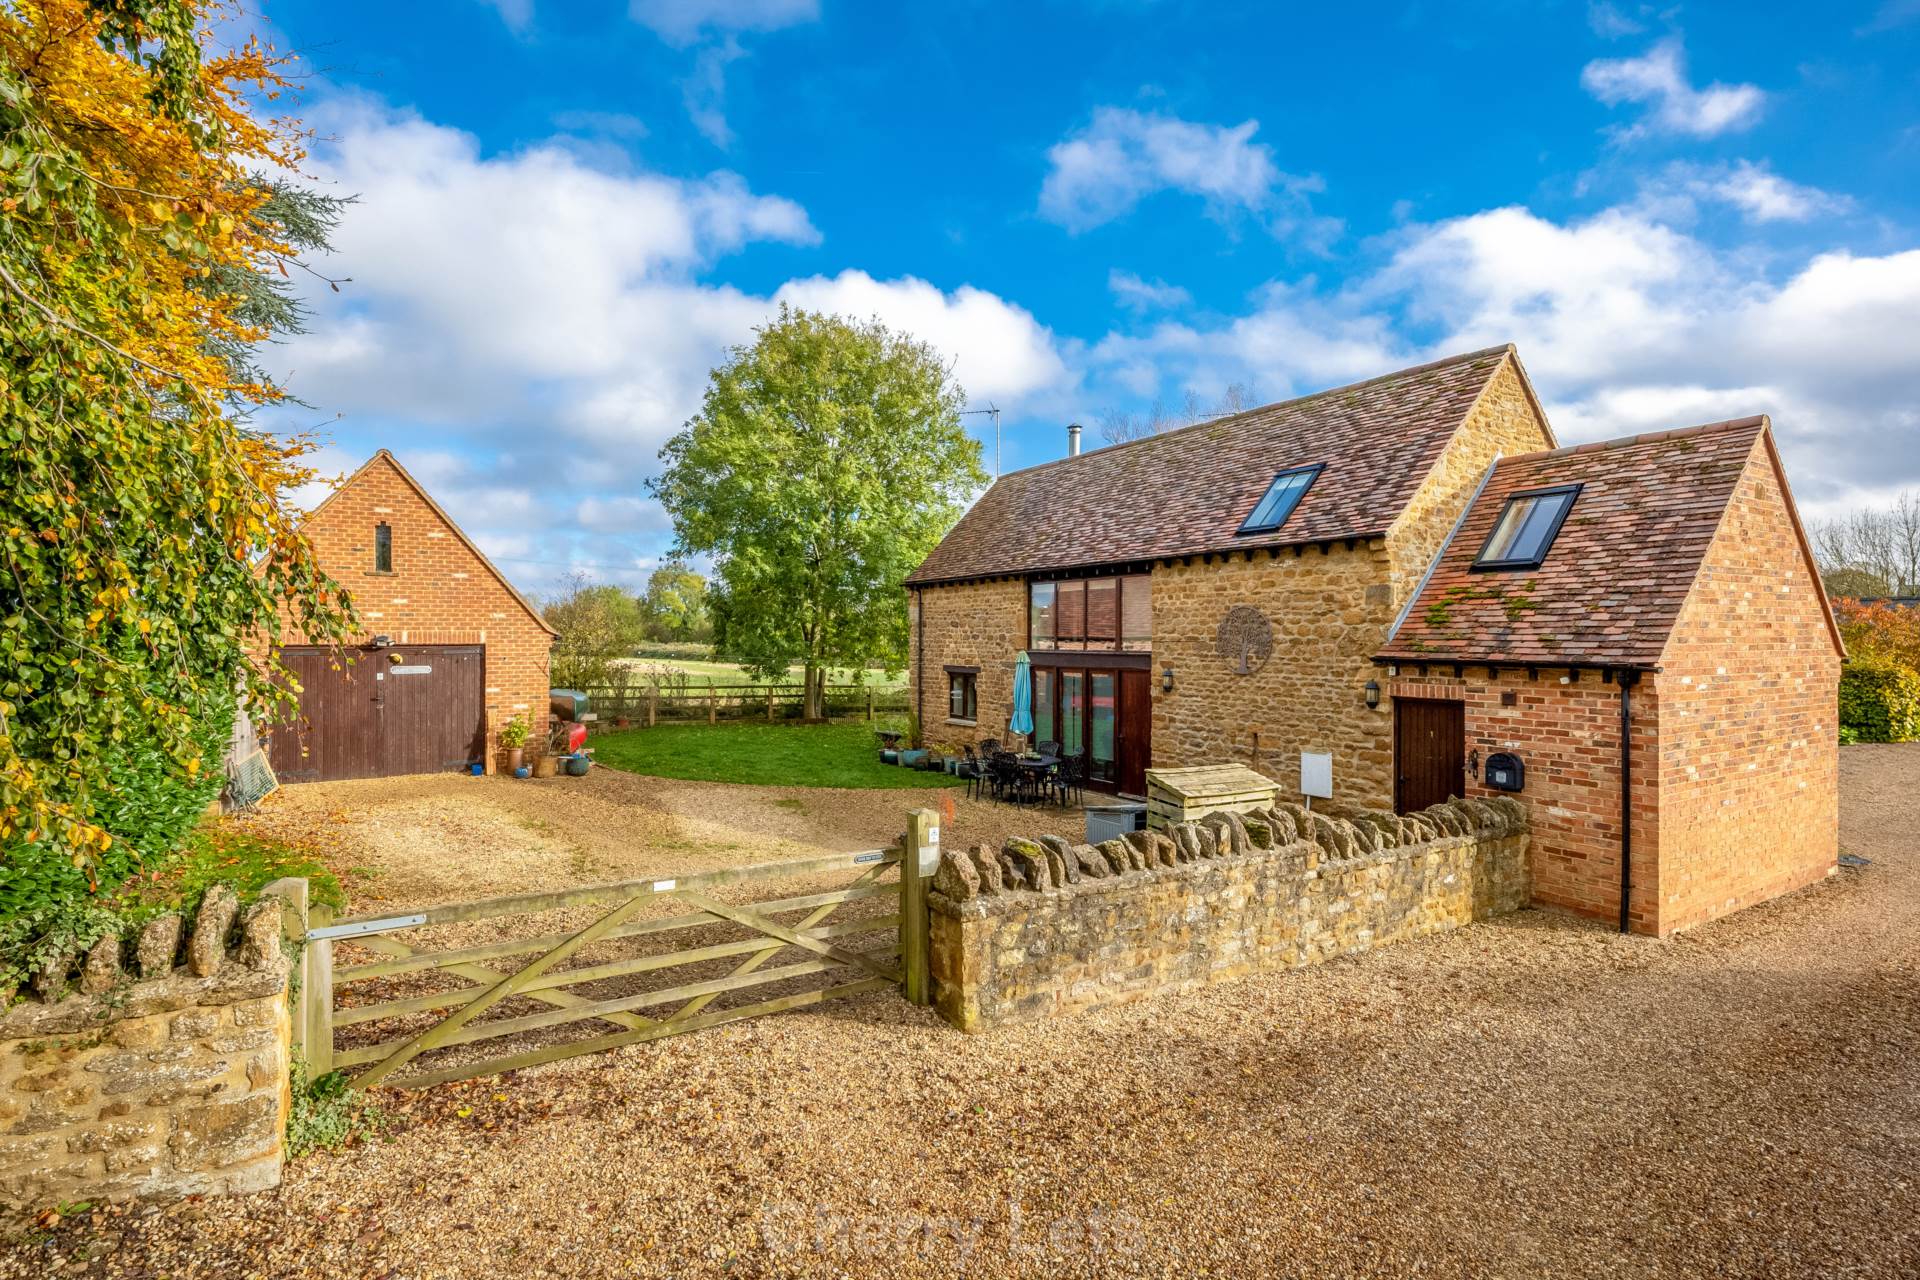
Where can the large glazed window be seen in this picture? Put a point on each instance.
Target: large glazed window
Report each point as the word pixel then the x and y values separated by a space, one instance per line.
pixel 1526 529
pixel 1102 615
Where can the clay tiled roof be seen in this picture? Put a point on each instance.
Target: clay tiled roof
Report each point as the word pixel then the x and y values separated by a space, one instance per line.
pixel 1188 491
pixel 1612 583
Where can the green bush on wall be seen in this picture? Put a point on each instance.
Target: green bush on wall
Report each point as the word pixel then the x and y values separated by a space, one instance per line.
pixel 1879 702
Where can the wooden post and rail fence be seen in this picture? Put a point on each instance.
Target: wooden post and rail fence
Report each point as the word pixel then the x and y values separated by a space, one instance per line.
pixel 331 1036
pixel 645 702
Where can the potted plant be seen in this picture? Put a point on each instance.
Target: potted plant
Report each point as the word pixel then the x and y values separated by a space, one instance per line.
pixel 513 736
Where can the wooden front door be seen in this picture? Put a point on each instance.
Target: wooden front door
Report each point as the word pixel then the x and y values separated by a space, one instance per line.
pixel 1136 731
pixel 1429 752
pixel 377 718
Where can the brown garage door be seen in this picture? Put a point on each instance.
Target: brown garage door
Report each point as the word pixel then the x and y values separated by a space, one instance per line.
pixel 376 718
pixel 1429 752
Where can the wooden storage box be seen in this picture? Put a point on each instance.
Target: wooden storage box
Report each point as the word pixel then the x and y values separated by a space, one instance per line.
pixel 1185 795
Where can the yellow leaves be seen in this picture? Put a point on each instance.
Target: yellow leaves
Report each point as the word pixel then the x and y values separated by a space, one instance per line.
pixel 146 626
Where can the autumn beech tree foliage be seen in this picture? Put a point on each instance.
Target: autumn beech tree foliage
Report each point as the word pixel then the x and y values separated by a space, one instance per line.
pixel 147 229
pixel 825 463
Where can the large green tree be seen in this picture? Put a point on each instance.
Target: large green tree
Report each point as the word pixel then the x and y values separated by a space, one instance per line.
pixel 675 605
pixel 825 463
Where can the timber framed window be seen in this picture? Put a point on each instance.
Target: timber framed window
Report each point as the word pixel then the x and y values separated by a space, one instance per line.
pixel 963 694
pixel 382 548
pixel 1527 526
pixel 1094 615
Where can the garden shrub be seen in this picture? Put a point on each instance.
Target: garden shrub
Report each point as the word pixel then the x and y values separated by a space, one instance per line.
pixel 1879 701
pixel 49 905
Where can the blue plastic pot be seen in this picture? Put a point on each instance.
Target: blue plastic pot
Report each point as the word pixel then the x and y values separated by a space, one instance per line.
pixel 523 772
pixel 577 766
pixel 889 756
pixel 477 769
pixel 913 759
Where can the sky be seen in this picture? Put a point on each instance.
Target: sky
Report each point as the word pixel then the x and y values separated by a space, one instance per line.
pixel 567 211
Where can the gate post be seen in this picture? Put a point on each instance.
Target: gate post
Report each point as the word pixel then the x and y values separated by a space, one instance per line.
pixel 317 996
pixel 919 856
pixel 312 1013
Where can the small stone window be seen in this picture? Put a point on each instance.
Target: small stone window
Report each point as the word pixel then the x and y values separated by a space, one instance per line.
pixel 382 548
pixel 1526 528
pixel 963 695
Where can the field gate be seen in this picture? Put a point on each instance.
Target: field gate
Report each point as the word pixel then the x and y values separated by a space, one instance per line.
pixel 428 1004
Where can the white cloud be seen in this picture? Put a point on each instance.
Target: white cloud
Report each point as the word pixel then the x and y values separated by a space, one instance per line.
pixel 1610 21
pixel 1627 324
pixel 998 350
pixel 682 22
pixel 705 90
pixel 1658 81
pixel 1101 172
pixel 1759 194
pixel 1138 295
pixel 542 325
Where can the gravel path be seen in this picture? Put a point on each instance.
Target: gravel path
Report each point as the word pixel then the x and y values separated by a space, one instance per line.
pixel 1530 1097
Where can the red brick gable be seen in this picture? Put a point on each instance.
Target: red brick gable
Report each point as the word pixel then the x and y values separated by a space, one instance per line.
pixel 1613 583
pixel 1189 490
pixel 332 552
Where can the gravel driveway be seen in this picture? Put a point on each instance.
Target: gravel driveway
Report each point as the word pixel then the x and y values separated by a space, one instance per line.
pixel 1529 1097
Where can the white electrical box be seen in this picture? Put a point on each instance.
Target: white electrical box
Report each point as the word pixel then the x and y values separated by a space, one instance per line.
pixel 1316 774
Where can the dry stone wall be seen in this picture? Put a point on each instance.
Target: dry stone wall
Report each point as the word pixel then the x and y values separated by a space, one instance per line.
pixel 163 1075
pixel 1042 927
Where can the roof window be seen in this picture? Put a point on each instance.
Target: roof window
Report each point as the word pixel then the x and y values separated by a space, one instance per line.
pixel 1525 531
pixel 1281 497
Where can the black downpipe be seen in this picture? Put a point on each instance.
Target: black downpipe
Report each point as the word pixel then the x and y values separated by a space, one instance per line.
pixel 1626 797
pixel 919 661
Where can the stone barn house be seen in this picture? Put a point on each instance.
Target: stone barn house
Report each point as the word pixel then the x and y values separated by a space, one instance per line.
pixel 1286 585
pixel 449 651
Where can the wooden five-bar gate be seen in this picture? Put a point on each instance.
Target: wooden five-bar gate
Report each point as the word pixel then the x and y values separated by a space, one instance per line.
pixel 381 1040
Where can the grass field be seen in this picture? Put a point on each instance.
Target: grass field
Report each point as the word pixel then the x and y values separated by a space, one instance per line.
pixel 812 755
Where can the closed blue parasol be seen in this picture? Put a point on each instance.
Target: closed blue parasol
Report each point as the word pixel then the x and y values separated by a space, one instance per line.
pixel 1022 721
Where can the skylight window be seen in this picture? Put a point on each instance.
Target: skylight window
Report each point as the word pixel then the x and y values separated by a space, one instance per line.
pixel 1526 528
pixel 1282 496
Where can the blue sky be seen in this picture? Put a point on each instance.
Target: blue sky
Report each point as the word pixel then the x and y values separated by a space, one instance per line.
pixel 568 211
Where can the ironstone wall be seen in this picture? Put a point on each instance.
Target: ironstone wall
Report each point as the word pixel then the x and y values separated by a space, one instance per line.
pixel 1044 927
pixel 171 1084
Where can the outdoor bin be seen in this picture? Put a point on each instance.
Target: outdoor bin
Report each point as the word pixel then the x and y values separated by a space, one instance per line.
pixel 1112 821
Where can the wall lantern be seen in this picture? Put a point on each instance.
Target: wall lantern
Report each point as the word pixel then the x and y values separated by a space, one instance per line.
pixel 1373 693
pixel 1166 679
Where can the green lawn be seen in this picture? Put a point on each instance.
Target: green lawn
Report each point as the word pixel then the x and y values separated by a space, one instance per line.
pixel 781 755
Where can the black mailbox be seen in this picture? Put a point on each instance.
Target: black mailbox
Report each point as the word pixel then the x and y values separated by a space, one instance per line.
pixel 1505 772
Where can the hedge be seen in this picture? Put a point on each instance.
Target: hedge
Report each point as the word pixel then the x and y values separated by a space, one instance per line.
pixel 1879 701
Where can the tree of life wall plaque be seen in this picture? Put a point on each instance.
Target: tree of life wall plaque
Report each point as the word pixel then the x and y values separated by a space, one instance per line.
pixel 1245 639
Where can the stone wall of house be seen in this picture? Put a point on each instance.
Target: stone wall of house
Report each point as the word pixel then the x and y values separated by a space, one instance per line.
pixel 1329 609
pixel 1565 727
pixel 1749 747
pixel 1504 422
pixel 1043 927
pixel 971 624
pixel 168 1084
pixel 438 592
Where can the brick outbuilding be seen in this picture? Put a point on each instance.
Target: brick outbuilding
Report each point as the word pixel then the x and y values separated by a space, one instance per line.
pixel 449 650
pixel 1671 603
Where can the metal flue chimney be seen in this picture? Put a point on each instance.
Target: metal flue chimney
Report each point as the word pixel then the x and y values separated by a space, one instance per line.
pixel 1073 439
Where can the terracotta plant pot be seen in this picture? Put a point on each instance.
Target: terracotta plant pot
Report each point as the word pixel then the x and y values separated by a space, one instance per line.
pixel 516 756
pixel 545 767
